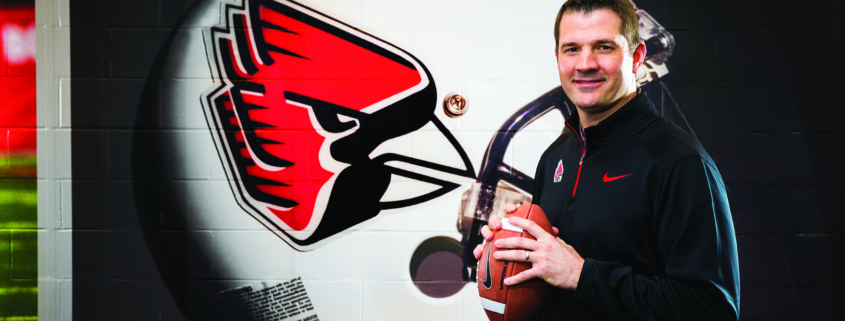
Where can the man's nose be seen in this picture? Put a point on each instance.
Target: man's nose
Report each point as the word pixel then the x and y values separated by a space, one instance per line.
pixel 587 61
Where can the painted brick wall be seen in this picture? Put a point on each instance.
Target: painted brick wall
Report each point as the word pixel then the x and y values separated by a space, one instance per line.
pixel 756 81
pixel 18 163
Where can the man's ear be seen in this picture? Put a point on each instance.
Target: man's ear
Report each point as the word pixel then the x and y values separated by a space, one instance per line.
pixel 639 56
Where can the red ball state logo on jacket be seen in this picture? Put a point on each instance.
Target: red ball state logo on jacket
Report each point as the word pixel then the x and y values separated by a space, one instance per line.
pixel 300 102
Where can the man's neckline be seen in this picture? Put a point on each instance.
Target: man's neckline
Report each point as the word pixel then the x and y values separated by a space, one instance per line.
pixel 627 120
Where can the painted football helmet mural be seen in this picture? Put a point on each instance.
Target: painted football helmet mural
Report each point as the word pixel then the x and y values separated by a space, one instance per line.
pixel 317 143
pixel 303 102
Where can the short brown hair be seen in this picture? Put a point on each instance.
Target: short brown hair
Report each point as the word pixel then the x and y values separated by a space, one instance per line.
pixel 623 8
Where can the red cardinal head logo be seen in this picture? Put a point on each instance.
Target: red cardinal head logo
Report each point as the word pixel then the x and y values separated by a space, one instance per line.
pixel 300 103
pixel 559 171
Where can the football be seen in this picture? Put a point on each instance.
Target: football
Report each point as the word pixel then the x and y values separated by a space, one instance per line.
pixel 521 301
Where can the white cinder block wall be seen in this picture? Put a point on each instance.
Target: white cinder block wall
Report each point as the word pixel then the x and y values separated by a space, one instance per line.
pixel 52 19
pixel 499 54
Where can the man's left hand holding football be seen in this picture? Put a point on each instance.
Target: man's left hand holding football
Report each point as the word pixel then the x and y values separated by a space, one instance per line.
pixel 551 258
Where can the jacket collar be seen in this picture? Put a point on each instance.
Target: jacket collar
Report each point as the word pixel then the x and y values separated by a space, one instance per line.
pixel 629 119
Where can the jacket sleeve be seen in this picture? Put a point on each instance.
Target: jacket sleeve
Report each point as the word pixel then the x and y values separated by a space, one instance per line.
pixel 695 237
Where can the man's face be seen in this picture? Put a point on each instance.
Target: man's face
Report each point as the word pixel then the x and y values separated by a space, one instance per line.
pixel 594 61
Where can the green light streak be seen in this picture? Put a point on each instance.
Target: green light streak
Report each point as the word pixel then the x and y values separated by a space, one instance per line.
pixel 29 198
pixel 19 162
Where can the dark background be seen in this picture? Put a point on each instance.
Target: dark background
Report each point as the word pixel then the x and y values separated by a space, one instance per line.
pixel 758 81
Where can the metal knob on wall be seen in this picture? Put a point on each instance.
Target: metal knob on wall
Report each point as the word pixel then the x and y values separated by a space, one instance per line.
pixel 455 104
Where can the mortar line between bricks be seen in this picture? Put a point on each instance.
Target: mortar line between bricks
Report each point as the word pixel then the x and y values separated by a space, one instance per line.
pixel 818 235
pixel 263 230
pixel 788 269
pixel 152 29
pixel 140 130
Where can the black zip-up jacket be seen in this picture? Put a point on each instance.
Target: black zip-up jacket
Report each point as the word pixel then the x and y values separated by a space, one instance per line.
pixel 641 201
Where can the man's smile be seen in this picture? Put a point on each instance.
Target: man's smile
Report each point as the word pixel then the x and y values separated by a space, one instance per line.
pixel 588 82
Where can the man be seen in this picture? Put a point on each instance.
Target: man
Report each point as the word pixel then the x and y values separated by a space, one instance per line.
pixel 645 232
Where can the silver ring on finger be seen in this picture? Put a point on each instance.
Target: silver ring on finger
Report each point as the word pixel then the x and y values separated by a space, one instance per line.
pixel 527 256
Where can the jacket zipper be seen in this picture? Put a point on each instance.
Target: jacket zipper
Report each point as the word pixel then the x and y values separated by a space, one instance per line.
pixel 582 141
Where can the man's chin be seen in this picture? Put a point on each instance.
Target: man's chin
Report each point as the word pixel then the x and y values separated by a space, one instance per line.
pixel 587 104
pixel 587 101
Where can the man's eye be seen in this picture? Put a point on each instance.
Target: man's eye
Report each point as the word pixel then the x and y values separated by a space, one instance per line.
pixel 605 47
pixel 570 49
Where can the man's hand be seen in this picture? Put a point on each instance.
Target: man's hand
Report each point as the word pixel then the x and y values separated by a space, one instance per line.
pixel 551 258
pixel 495 224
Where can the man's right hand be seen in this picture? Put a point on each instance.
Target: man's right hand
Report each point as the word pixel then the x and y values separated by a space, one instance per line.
pixel 495 224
